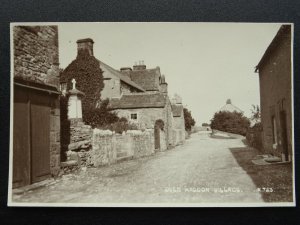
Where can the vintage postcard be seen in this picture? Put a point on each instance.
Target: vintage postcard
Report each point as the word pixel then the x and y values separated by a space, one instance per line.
pixel 151 114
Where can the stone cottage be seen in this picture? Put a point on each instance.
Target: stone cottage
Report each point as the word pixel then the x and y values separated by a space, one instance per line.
pixel 149 107
pixel 36 111
pixel 137 93
pixel 275 81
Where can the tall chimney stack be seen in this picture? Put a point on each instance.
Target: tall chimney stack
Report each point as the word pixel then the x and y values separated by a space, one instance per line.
pixel 85 45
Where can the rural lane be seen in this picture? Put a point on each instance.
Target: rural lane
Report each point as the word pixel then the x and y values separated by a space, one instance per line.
pixel 203 170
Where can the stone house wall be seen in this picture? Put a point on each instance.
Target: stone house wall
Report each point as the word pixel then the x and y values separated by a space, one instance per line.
pixel 146 118
pixel 275 95
pixel 36 54
pixel 178 130
pixel 113 86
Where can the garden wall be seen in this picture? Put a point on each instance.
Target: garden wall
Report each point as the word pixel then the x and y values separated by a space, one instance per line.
pixel 109 147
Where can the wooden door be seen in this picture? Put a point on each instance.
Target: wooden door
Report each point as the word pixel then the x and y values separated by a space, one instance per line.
pixel 157 137
pixel 40 137
pixel 21 139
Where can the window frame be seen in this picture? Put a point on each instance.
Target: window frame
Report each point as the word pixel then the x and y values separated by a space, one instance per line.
pixel 133 114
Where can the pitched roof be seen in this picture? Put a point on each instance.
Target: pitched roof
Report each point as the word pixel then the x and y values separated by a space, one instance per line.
pixel 138 100
pixel 284 31
pixel 177 110
pixel 148 79
pixel 122 77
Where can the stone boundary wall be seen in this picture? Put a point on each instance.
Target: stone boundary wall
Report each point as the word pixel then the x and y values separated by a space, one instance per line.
pixel 109 147
pixel 94 147
pixel 80 143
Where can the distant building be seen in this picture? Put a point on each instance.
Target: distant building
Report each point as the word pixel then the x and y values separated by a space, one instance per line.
pixel 229 107
pixel 275 95
pixel 36 111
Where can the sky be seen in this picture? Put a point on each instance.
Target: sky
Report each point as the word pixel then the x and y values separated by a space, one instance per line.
pixel 204 63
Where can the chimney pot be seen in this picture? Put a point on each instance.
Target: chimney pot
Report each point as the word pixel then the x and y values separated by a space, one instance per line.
pixel 139 66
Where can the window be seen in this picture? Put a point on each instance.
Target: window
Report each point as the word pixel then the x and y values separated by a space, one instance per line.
pixel 133 116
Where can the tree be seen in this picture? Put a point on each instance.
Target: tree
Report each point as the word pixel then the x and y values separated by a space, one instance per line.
pixel 233 122
pixel 255 114
pixel 188 119
pixel 85 69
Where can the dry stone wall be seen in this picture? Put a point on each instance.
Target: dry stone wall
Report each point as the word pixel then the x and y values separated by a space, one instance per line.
pixel 80 142
pixel 103 147
pixel 109 147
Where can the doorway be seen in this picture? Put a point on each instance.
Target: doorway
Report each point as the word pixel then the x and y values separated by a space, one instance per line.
pixel 284 136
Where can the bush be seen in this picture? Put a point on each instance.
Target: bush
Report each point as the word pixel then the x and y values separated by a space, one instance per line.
pixel 104 118
pixel 254 136
pixel 232 122
pixel 122 125
pixel 99 117
pixel 188 119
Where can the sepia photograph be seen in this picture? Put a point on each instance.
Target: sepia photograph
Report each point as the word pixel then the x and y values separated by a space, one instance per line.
pixel 151 114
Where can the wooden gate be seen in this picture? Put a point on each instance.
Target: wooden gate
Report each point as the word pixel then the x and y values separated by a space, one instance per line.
pixel 31 153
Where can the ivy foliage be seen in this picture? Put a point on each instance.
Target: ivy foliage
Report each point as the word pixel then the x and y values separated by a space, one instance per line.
pixel 85 69
pixel 233 122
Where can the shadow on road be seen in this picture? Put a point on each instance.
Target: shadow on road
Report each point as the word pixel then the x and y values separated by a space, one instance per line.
pixel 274 181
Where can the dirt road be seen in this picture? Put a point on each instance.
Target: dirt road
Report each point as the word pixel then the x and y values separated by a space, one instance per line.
pixel 203 170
